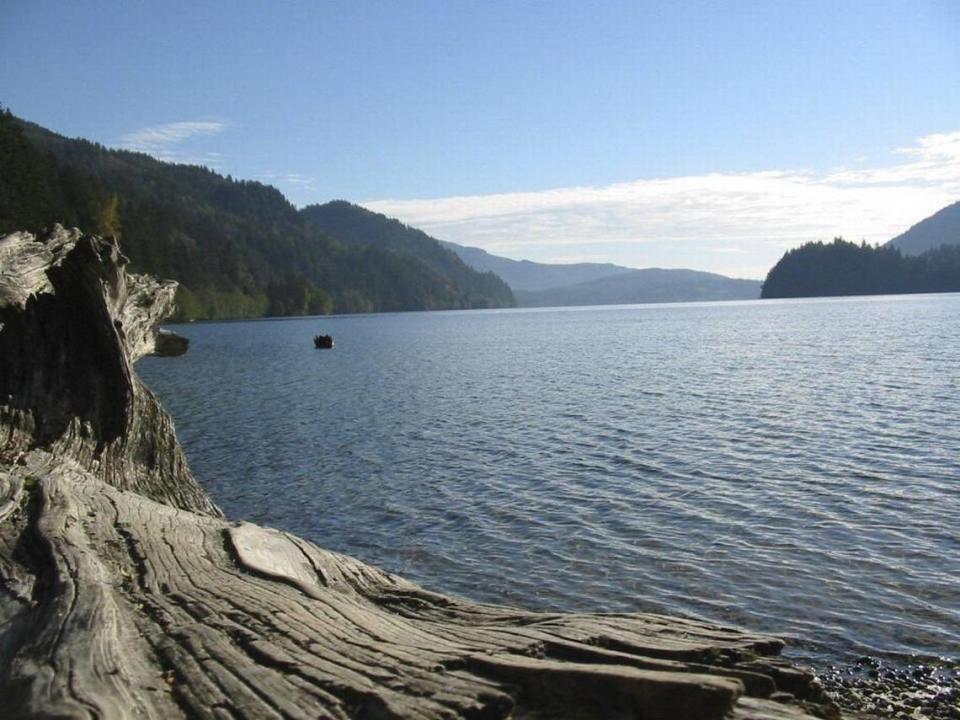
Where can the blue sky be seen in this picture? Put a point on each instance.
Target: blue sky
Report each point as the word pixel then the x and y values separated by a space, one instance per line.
pixel 711 135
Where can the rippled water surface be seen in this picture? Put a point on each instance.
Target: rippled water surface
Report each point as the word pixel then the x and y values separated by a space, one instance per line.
pixel 791 467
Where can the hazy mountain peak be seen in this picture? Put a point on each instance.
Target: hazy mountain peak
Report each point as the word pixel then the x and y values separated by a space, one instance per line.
pixel 529 275
pixel 941 228
pixel 542 284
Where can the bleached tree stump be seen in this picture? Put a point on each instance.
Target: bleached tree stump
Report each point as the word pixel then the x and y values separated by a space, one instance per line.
pixel 125 593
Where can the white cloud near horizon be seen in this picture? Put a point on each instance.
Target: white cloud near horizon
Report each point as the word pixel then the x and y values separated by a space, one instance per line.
pixel 734 223
pixel 162 141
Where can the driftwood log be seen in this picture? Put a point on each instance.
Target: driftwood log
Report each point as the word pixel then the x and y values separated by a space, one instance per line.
pixel 125 593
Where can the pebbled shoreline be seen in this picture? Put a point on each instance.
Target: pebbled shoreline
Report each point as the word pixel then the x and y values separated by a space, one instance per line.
pixel 926 689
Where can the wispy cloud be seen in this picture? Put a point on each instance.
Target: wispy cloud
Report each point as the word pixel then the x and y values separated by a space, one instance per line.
pixel 164 141
pixel 739 223
pixel 304 182
pixel 288 181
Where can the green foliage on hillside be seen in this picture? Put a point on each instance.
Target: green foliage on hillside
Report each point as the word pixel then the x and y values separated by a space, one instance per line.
pixel 238 248
pixel 359 227
pixel 845 268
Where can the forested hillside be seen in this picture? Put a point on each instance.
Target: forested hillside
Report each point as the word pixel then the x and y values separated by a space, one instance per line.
pixel 356 226
pixel 845 268
pixel 238 248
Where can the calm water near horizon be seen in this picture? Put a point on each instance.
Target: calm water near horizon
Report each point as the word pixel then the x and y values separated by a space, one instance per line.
pixel 786 466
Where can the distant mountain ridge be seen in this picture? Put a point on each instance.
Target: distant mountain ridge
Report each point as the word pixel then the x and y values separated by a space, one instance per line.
pixel 528 275
pixel 941 228
pixel 650 285
pixel 551 285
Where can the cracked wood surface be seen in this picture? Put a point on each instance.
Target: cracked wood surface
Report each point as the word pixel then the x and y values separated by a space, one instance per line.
pixel 145 610
pixel 124 592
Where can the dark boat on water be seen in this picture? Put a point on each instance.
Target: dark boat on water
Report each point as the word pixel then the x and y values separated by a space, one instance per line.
pixel 323 342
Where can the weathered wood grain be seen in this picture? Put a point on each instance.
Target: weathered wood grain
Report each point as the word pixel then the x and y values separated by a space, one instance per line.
pixel 125 593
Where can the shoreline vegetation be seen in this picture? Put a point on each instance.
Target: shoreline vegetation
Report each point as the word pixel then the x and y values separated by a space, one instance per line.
pixel 844 268
pixel 126 592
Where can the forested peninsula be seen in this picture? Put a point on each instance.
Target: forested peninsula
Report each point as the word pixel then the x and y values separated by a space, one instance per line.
pixel 846 268
pixel 238 248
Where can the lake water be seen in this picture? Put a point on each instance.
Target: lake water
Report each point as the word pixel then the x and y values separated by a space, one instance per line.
pixel 786 466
